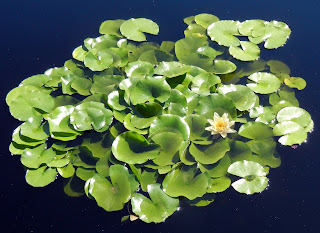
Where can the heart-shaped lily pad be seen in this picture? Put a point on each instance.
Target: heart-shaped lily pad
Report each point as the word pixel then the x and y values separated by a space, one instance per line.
pixel 224 31
pixel 265 83
pixel 209 154
pixel 133 28
pixel 248 51
pixel 183 182
pixel 254 177
pixel 41 177
pixel 160 207
pixel 242 96
pixel 133 148
pixel 111 196
pixel 90 115
pixel 255 130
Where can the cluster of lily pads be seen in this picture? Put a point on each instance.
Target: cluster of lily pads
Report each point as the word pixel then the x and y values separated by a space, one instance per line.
pixel 129 121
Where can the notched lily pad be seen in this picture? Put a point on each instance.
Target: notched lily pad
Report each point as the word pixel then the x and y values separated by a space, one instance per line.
pixel 133 148
pixel 264 83
pixel 254 177
pixel 224 31
pixel 133 28
pixel 160 207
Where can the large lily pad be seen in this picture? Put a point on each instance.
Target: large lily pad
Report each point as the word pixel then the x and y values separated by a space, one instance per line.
pixel 224 31
pixel 170 123
pixel 183 182
pixel 111 196
pixel 133 28
pixel 160 207
pixel 29 101
pixel 242 96
pixel 253 181
pixel 90 115
pixel 248 51
pixel 265 83
pixel 209 154
pixel 149 89
pixel 133 148
pixel 255 130
pixel 41 177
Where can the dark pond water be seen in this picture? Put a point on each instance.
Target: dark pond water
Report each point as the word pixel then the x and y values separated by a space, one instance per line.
pixel 37 35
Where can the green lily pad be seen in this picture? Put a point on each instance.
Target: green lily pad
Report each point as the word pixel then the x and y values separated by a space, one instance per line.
pixel 276 34
pixel 98 60
pixel 239 151
pixel 205 19
pixel 41 177
pixel 28 101
pixel 111 196
pixel 160 207
pixel 197 125
pixel 111 27
pixel 139 69
pixel 183 182
pixel 219 184
pixel 253 181
pixel 217 169
pixel 265 83
pixel 224 31
pixel 293 133
pixel 148 177
pixel 295 82
pixel 38 80
pixel 33 158
pixel 66 171
pixel 59 125
pixel 209 154
pixel 133 28
pixel 171 69
pixel 216 103
pixel 248 51
pixel 170 143
pixel 91 115
pixel 255 130
pixel 207 52
pixel 133 148
pixel 204 83
pixel 170 123
pixel 149 89
pixel 278 67
pixel 242 96
pixel 253 28
pixel 263 114
pixel 295 114
pixel 223 67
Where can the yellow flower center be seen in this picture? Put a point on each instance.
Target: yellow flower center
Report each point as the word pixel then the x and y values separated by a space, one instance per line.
pixel 221 125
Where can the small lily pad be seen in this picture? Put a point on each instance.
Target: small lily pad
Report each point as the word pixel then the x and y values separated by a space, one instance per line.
pixel 295 82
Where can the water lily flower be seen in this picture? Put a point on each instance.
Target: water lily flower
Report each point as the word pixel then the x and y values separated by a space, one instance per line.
pixel 220 125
